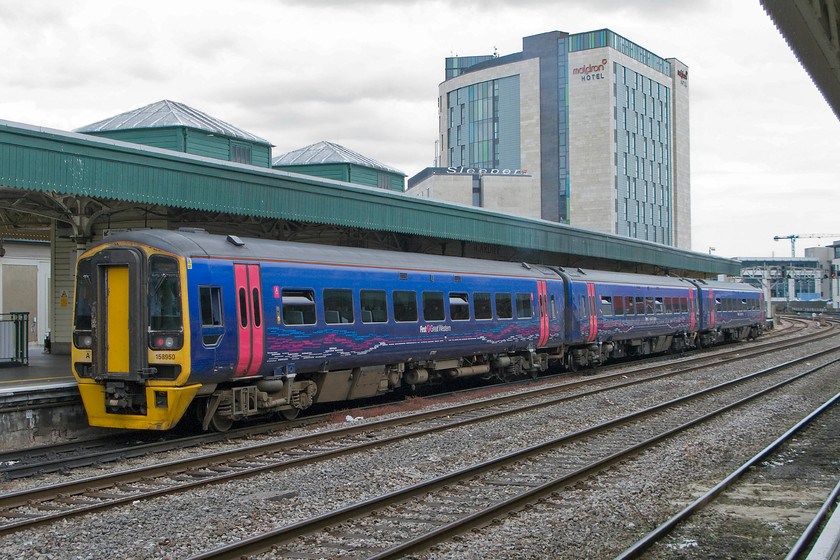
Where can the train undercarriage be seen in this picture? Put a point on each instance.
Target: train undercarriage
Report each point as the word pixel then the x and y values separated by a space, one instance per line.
pixel 597 353
pixel 217 407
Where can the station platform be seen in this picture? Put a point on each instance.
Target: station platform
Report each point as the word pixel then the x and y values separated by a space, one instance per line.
pixel 44 371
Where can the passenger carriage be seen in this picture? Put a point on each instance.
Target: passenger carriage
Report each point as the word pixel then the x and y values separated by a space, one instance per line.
pixel 240 328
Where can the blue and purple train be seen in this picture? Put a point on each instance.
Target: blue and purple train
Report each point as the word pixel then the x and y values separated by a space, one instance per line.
pixel 230 328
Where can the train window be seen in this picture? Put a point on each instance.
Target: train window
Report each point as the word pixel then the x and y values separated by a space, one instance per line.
pixel 523 306
pixel 255 295
pixel 618 305
pixel 433 306
pixel 405 306
pixel 243 308
pixel 684 305
pixel 584 307
pixel 504 306
pixel 606 305
pixel 667 302
pixel 210 302
pixel 338 306
pixel 658 306
pixel 459 307
pixel 553 308
pixel 629 306
pixel 374 307
pixel 718 304
pixel 640 305
pixel 649 305
pixel 298 307
pixel 164 294
pixel 482 307
pixel 84 296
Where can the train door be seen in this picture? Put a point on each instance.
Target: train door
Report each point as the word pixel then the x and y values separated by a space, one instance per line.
pixel 249 313
pixel 593 311
pixel 119 321
pixel 542 292
pixel 116 319
pixel 692 310
pixel 711 309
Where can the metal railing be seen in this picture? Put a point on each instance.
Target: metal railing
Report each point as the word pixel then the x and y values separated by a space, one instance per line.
pixel 14 339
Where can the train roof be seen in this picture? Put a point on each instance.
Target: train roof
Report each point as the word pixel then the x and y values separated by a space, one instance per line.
pixel 588 275
pixel 719 285
pixel 197 243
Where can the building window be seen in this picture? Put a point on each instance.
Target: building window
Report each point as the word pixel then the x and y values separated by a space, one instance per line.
pixel 240 153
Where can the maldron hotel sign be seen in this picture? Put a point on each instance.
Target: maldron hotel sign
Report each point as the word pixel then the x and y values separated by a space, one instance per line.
pixel 591 71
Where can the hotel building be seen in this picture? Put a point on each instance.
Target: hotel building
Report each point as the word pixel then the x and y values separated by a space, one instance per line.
pixel 587 129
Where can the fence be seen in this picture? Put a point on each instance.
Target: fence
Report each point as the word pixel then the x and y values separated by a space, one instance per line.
pixel 14 339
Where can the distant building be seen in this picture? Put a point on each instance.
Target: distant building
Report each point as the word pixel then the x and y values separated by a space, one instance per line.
pixel 787 278
pixel 332 161
pixel 829 260
pixel 587 129
pixel 175 126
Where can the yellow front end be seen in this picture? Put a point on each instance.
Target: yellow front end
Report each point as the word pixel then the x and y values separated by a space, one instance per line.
pixel 164 407
pixel 161 391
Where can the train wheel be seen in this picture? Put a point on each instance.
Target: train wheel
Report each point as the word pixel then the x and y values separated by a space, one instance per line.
pixel 216 422
pixel 220 424
pixel 290 413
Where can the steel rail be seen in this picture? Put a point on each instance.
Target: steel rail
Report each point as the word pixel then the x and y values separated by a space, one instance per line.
pixel 265 541
pixel 14 464
pixel 20 468
pixel 648 540
pixel 75 491
pixel 811 531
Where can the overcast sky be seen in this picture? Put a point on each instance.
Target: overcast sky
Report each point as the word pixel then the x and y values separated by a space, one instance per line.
pixel 765 157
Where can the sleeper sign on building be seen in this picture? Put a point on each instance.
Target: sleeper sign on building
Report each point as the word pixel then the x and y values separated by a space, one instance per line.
pixel 481 171
pixel 591 71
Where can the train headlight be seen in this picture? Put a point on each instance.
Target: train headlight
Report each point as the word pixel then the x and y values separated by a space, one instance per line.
pixel 165 341
pixel 83 340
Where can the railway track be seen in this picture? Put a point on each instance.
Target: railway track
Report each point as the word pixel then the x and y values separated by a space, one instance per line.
pixel 796 474
pixel 27 509
pixel 413 518
pixel 60 458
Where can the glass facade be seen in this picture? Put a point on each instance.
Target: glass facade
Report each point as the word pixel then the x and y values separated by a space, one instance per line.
pixel 563 128
pixel 643 190
pixel 457 64
pixel 606 38
pixel 474 125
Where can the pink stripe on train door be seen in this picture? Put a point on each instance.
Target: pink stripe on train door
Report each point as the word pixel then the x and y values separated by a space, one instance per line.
pixel 257 346
pixel 250 320
pixel 542 299
pixel 593 312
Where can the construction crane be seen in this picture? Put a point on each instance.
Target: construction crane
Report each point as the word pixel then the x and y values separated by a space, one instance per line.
pixel 793 239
